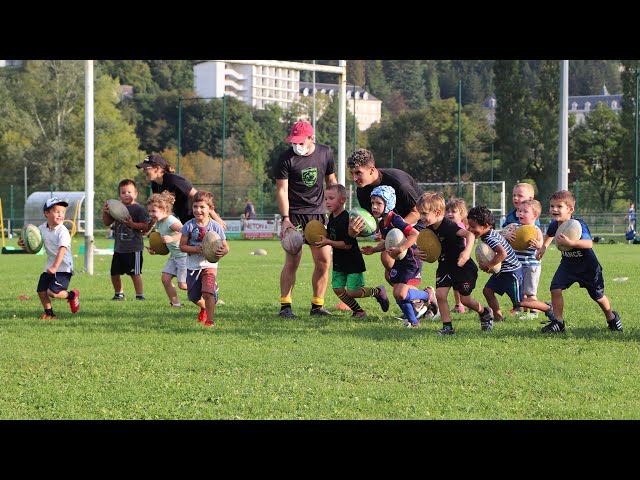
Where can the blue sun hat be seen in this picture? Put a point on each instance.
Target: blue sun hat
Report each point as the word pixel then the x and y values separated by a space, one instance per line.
pixel 386 193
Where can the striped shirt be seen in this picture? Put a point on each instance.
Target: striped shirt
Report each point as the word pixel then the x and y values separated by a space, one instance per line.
pixel 527 256
pixel 493 239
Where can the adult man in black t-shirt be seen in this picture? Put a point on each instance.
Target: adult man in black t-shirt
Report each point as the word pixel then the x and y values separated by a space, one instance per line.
pixel 300 173
pixel 366 177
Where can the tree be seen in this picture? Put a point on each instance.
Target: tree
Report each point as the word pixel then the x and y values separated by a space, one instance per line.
pixel 513 99
pixel 598 152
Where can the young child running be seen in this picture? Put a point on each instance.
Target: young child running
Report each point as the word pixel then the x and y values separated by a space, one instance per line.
pixel 456 210
pixel 160 206
pixel 455 267
pixel 129 242
pixel 528 213
pixel 54 281
pixel 347 277
pixel 579 264
pixel 406 273
pixel 201 274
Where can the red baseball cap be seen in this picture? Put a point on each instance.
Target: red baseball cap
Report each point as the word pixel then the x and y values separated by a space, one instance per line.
pixel 300 132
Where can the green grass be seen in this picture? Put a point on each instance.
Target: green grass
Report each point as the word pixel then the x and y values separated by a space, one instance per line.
pixel 142 360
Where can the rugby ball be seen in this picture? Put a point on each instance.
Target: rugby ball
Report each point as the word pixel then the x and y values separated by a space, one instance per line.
pixel 117 210
pixel 313 230
pixel 484 254
pixel 428 242
pixel 507 229
pixel 370 223
pixel 32 238
pixel 572 229
pixel 292 241
pixel 157 245
pixel 394 238
pixel 210 244
pixel 524 233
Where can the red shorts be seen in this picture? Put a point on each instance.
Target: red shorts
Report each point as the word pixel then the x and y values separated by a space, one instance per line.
pixel 199 282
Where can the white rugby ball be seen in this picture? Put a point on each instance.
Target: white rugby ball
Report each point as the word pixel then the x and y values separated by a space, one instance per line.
pixel 571 229
pixel 394 238
pixel 292 241
pixel 210 243
pixel 484 254
pixel 118 210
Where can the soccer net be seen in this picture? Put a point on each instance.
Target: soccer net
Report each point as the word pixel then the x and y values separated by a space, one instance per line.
pixel 491 194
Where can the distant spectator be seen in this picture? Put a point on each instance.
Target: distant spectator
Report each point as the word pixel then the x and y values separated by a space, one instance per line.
pixel 249 211
pixel 631 217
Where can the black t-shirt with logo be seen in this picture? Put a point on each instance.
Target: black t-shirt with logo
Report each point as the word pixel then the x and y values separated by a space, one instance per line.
pixel 306 178
pixel 180 187
pixel 346 261
pixel 407 191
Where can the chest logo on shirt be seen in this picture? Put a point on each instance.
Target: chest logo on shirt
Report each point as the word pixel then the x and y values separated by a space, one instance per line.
pixel 310 176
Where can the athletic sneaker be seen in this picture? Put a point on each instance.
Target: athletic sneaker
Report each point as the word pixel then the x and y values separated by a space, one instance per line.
pixel 528 316
pixel 209 323
pixel 175 305
pixel 549 313
pixel 458 309
pixel 48 317
pixel 118 296
pixel 360 314
pixel 202 316
pixel 140 297
pixel 320 311
pixel 447 331
pixel 408 324
pixel 432 306
pixel 615 324
pixel 486 319
pixel 287 313
pixel 383 299
pixel 553 326
pixel 515 311
pixel 420 308
pixel 75 302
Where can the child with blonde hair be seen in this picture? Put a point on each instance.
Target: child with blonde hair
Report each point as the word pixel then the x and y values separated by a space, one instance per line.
pixel 456 210
pixel 160 206
pixel 456 269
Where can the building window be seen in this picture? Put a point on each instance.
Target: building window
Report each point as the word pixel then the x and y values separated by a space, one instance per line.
pixel 614 105
pixel 587 106
pixel 574 106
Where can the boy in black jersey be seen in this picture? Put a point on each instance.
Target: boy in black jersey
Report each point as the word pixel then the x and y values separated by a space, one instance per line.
pixel 348 265
pixel 455 267
pixel 579 264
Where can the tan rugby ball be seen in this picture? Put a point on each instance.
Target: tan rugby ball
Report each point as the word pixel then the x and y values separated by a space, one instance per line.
pixel 524 233
pixel 157 245
pixel 484 254
pixel 313 230
pixel 572 229
pixel 428 242
pixel 210 244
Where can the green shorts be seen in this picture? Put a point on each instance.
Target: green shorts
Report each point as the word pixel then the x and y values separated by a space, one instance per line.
pixel 353 281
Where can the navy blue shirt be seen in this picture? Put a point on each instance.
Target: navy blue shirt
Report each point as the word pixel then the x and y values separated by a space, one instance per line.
pixel 512 218
pixel 579 259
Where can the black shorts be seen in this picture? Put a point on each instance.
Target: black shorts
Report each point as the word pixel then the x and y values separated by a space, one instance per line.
pixel 301 219
pixel 592 280
pixel 56 283
pixel 126 263
pixel 463 279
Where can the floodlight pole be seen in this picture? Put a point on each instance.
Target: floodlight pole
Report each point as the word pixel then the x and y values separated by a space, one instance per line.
pixel 637 179
pixel 563 151
pixel 88 166
pixel 459 113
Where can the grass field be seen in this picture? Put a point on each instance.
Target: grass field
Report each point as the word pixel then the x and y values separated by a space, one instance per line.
pixel 143 360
